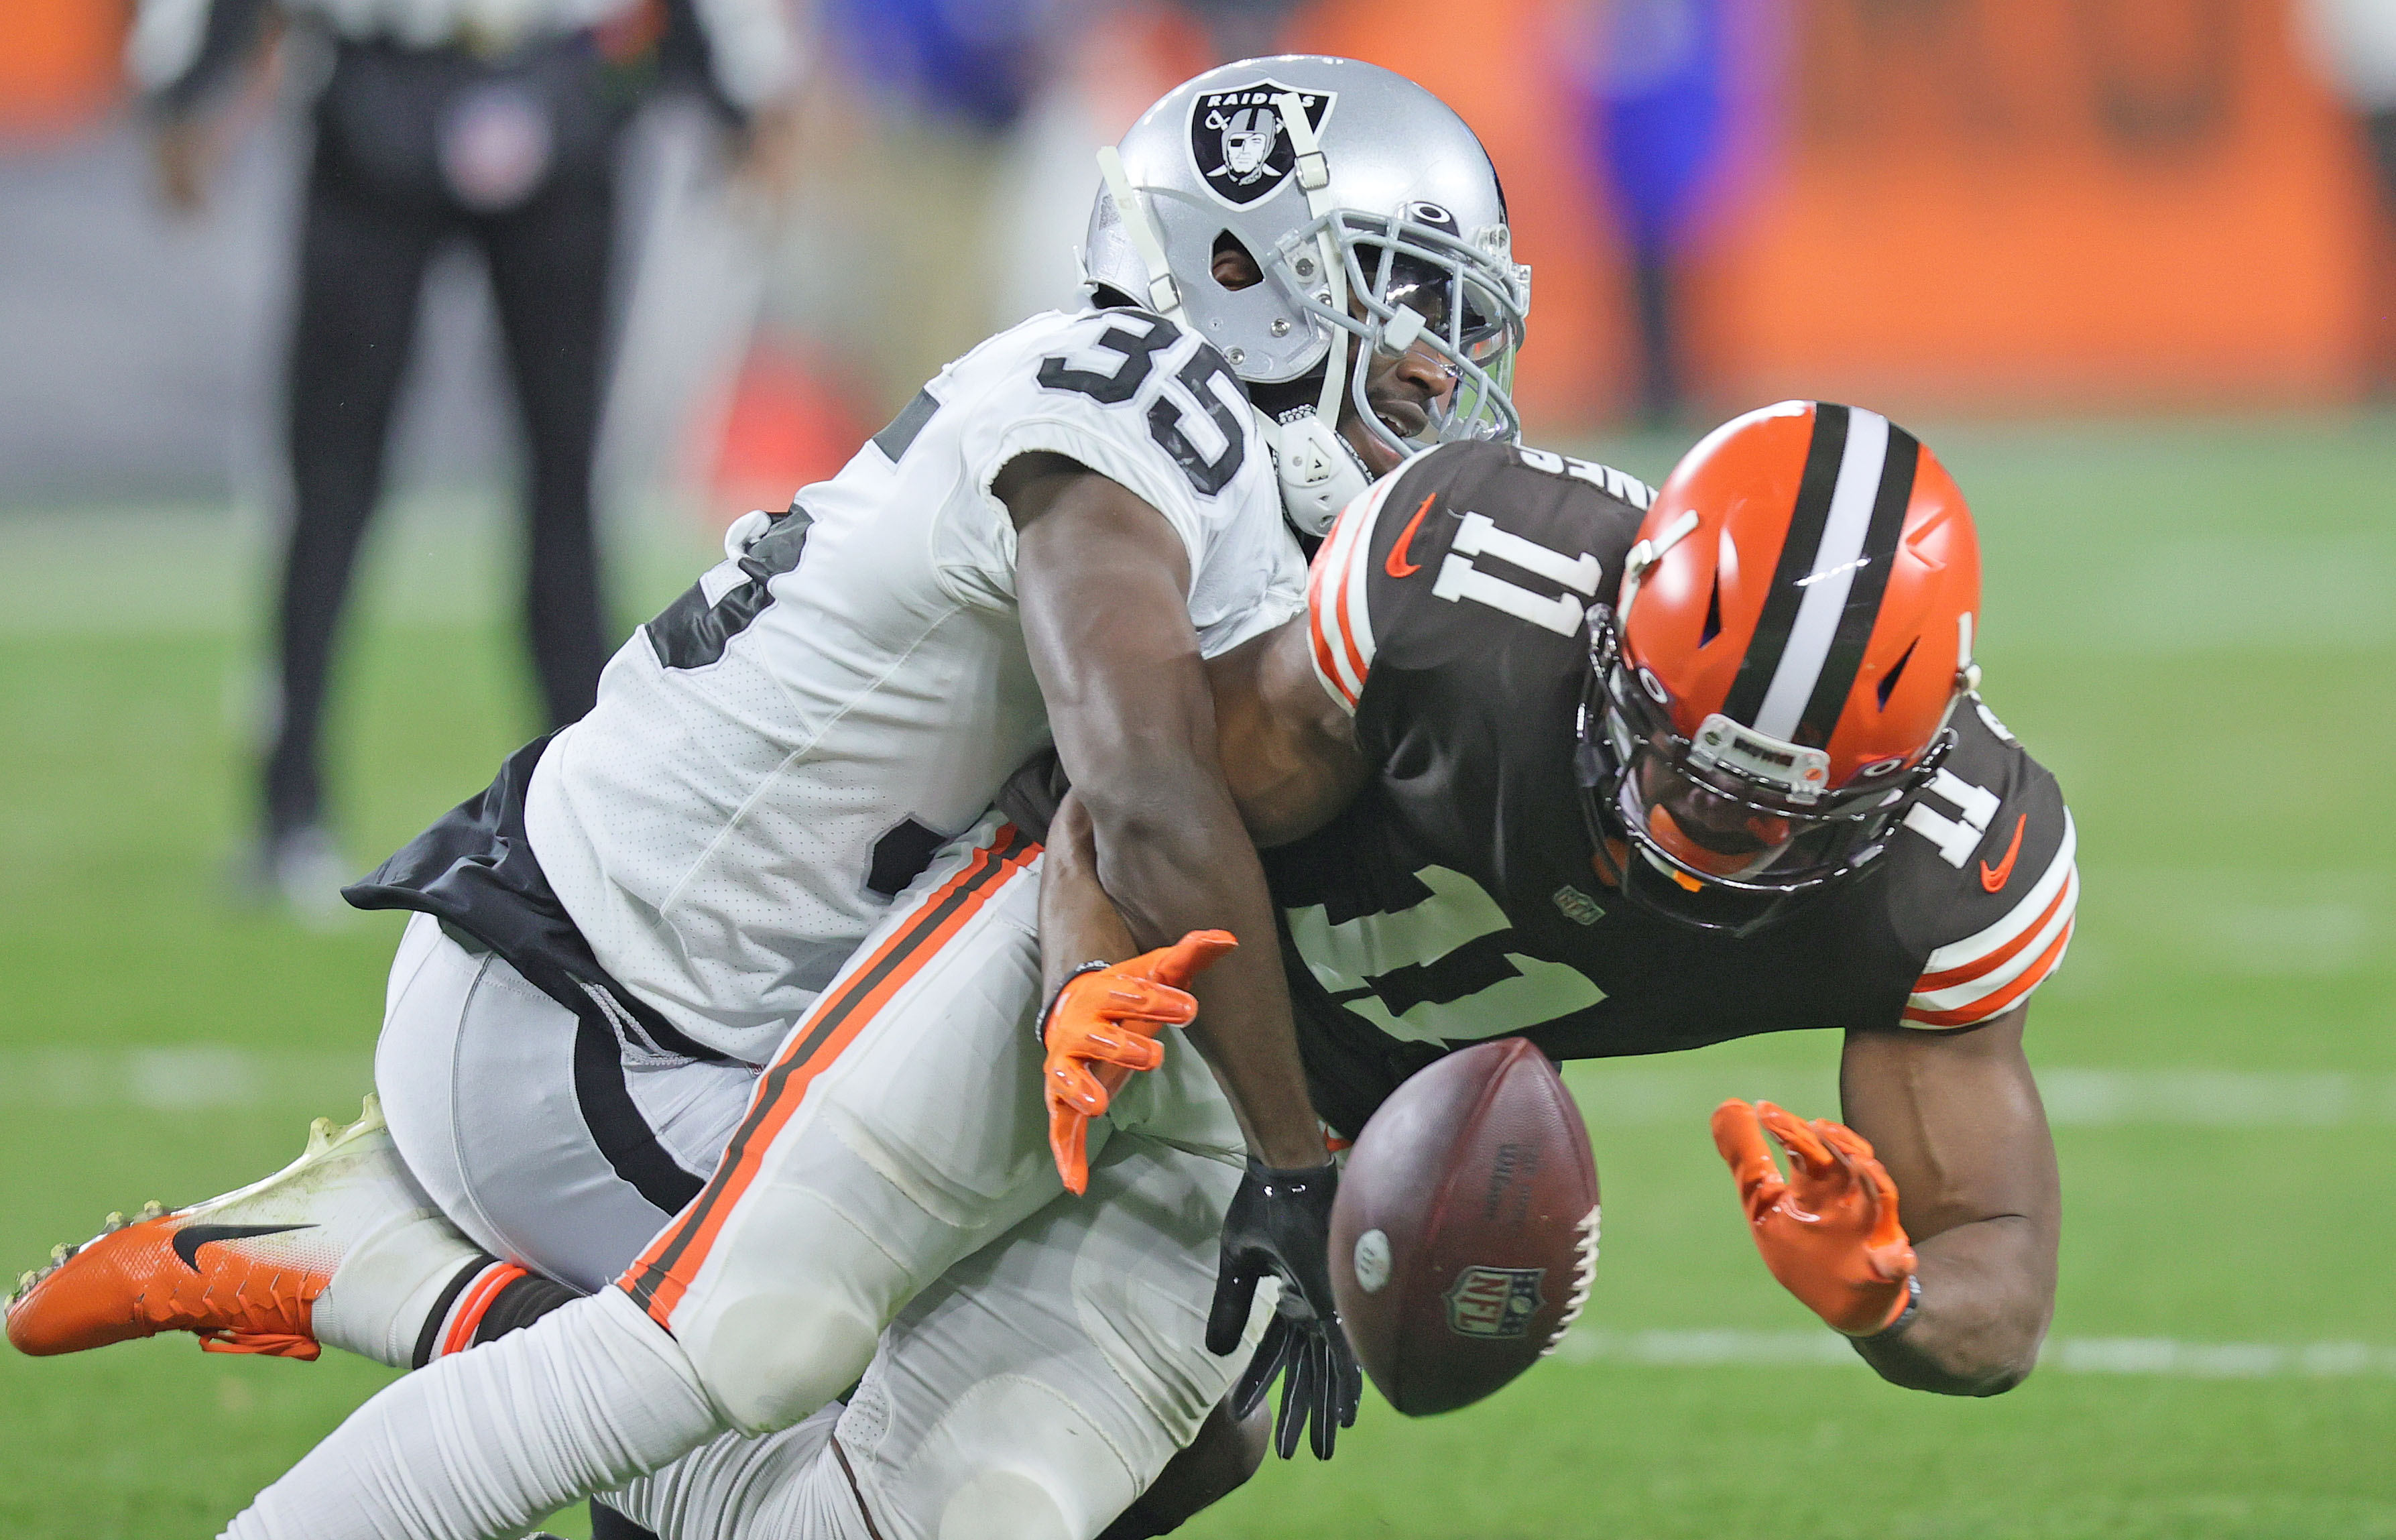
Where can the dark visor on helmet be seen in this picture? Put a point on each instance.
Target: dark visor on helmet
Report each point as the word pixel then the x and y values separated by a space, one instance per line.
pixel 1722 814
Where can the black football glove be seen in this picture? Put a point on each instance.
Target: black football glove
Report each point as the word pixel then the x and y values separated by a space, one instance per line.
pixel 1280 1226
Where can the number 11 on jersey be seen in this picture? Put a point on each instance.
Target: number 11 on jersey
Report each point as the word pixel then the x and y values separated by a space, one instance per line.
pixel 1460 578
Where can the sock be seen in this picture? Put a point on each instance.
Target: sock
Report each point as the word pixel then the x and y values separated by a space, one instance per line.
pixel 790 1486
pixel 391 1278
pixel 525 1299
pixel 591 1397
pixel 485 1301
pixel 608 1524
pixel 1135 1523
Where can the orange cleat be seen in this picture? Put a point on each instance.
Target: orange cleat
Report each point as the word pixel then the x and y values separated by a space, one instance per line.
pixel 244 1270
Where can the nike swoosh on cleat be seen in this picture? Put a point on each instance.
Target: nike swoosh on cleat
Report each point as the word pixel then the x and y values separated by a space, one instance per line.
pixel 1397 565
pixel 191 1238
pixel 1994 879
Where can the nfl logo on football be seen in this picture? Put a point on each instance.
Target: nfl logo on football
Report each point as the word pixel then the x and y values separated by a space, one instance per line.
pixel 1494 1302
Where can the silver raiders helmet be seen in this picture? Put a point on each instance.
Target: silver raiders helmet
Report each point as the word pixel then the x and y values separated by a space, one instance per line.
pixel 1378 222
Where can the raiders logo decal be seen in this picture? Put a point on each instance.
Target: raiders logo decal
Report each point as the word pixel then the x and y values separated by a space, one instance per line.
pixel 1238 143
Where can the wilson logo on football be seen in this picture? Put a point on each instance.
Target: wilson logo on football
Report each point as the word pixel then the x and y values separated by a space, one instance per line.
pixel 1239 144
pixel 1494 1302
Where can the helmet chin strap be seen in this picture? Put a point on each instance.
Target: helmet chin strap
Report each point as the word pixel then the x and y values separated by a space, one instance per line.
pixel 1163 294
pixel 1313 174
pixel 1320 472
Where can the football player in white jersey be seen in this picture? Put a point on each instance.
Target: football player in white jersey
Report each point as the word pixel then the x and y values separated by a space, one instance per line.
pixel 767 848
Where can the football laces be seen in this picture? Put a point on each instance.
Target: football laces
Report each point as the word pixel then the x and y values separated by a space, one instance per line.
pixel 1584 1274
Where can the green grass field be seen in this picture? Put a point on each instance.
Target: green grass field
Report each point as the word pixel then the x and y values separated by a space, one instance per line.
pixel 2194 623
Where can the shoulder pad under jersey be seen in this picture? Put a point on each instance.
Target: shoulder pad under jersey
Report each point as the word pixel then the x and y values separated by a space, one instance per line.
pixel 1136 397
pixel 1459 548
pixel 1983 884
pixel 1147 403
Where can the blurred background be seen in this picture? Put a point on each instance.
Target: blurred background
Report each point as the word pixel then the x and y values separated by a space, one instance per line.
pixel 2127 264
pixel 1942 205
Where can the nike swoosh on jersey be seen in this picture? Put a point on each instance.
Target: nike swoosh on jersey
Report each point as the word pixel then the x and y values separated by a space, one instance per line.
pixel 1397 565
pixel 191 1238
pixel 1994 879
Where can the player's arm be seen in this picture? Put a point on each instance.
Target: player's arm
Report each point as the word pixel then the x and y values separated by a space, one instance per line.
pixel 181 81
pixel 1101 579
pixel 1923 1228
pixel 1291 762
pixel 1289 758
pixel 1288 749
pixel 1955 1118
pixel 1106 1005
pixel 1078 923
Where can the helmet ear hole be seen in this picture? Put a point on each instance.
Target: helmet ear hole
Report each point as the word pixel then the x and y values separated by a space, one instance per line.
pixel 1713 615
pixel 1235 267
pixel 1888 681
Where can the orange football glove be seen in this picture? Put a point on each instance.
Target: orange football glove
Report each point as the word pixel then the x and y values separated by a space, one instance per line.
pixel 1101 1030
pixel 1829 1231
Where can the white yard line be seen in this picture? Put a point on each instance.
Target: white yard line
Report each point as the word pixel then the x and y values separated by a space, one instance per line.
pixel 204 1077
pixel 439 557
pixel 1632 1094
pixel 1614 1093
pixel 186 1078
pixel 2163 1357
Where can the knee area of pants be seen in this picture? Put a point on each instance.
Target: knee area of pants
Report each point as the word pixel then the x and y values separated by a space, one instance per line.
pixel 1003 1505
pixel 770 1361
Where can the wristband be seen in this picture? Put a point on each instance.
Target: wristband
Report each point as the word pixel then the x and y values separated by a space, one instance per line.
pixel 1040 1030
pixel 1904 1317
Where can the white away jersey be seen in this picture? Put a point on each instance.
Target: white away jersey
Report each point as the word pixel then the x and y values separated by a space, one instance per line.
pixel 773 758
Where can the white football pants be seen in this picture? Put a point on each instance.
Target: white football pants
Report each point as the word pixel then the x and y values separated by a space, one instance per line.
pixel 550 1141
pixel 887 1208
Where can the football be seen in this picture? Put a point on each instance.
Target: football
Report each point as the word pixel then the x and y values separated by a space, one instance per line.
pixel 1465 1232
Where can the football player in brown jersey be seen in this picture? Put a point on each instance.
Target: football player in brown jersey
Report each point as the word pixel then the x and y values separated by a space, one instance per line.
pixel 1626 773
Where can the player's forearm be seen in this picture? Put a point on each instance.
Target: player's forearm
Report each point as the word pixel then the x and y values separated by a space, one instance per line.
pixel 1174 858
pixel 179 82
pixel 1102 583
pixel 1078 923
pixel 1956 1121
pixel 1288 754
pixel 1988 1292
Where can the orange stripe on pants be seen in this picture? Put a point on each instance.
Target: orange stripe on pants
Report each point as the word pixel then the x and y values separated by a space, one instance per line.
pixel 661 1275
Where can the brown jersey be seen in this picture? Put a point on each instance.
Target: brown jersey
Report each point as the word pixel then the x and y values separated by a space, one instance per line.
pixel 1456 900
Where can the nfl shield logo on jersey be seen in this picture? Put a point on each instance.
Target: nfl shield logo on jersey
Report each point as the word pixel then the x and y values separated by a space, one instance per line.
pixel 1577 906
pixel 1494 1302
pixel 1238 143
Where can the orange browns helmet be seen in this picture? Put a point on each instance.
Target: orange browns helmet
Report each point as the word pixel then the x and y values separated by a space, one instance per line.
pixel 1793 630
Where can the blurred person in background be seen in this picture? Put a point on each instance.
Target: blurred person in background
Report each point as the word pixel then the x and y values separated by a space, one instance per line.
pixel 1238 29
pixel 1656 89
pixel 887 269
pixel 947 127
pixel 497 121
pixel 2355 41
